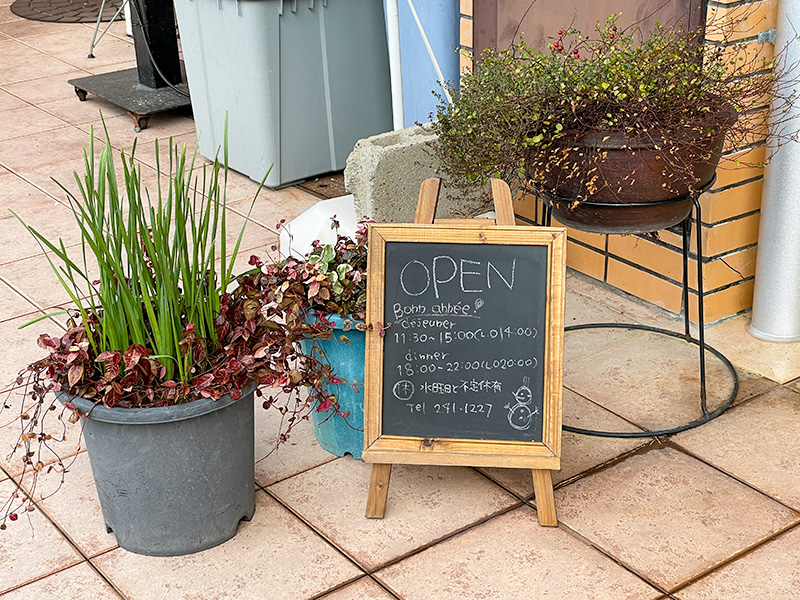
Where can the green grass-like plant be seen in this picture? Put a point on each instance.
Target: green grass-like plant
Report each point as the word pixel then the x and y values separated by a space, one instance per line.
pixel 162 263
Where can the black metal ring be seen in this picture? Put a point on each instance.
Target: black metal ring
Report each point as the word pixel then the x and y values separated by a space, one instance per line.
pixel 643 434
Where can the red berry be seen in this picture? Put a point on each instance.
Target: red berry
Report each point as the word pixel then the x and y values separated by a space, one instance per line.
pixel 614 28
pixel 13 516
pixel 560 32
pixel 611 36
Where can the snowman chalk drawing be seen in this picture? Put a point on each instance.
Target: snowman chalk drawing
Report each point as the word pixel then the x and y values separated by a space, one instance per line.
pixel 520 415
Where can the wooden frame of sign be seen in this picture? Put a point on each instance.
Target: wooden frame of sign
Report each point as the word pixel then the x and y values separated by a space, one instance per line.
pixel 396 441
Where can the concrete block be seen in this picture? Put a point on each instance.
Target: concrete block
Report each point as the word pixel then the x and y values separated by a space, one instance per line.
pixel 384 173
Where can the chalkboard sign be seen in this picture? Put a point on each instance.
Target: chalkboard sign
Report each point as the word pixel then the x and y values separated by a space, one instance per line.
pixel 466 366
pixel 464 356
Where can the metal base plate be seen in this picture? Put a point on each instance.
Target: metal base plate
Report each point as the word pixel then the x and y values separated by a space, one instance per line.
pixel 123 89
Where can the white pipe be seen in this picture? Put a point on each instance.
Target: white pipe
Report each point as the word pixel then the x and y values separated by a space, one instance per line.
pixel 776 298
pixel 430 52
pixel 393 38
pixel 128 22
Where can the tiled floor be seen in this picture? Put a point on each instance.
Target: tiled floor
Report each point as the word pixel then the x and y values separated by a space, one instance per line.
pixel 710 514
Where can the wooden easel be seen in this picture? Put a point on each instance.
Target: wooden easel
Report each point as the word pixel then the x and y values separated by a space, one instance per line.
pixel 425 214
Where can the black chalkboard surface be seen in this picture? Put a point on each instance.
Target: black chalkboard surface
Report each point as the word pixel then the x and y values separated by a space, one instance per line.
pixel 465 354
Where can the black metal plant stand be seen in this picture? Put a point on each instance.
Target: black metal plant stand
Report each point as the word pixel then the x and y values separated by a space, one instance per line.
pixel 699 341
pixel 156 84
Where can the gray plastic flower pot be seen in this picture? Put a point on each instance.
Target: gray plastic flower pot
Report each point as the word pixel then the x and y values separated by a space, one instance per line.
pixel 173 480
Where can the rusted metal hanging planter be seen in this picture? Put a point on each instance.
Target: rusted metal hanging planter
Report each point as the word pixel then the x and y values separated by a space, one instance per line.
pixel 607 182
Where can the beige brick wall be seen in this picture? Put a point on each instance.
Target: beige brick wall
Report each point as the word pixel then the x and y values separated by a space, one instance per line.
pixel 466 38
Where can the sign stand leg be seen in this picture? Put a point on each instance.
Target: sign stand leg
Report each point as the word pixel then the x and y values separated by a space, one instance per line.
pixel 545 502
pixel 379 489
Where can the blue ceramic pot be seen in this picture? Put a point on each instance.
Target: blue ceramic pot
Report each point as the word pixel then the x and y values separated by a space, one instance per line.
pixel 337 435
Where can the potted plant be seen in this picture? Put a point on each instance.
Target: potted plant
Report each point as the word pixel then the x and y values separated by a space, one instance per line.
pixel 320 300
pixel 615 131
pixel 163 351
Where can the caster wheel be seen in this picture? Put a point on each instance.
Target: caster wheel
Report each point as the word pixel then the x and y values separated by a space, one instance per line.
pixel 140 123
pixel 81 94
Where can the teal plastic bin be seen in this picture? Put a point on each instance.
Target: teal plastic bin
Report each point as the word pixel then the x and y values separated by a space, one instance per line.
pixel 301 80
pixel 337 435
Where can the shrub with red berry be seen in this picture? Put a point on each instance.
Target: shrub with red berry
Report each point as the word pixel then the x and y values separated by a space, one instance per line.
pixel 664 86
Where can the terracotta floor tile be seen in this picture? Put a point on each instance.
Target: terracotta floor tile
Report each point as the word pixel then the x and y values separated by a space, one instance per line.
pixel 96 69
pixel 639 310
pixel 37 209
pixel 363 589
pixel 24 121
pixel 34 278
pixel 777 361
pixel 752 384
pixel 242 188
pixel 19 348
pixel 22 28
pixel 652 381
pixel 256 239
pixel 739 443
pixel 424 504
pixel 10 434
pixel 10 102
pixel 578 452
pixel 122 134
pixel 76 583
pixel 22 62
pixel 12 305
pixel 46 89
pixel 66 440
pixel 71 110
pixel 31 547
pixel 581 309
pixel 86 526
pixel 299 453
pixel 73 47
pixel 43 150
pixel 247 186
pixel 117 29
pixel 668 516
pixel 271 205
pixel 770 572
pixel 51 178
pixel 273 556
pixel 146 151
pixel 511 556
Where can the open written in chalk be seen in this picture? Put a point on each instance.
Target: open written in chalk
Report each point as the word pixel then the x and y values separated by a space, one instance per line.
pixel 469 370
